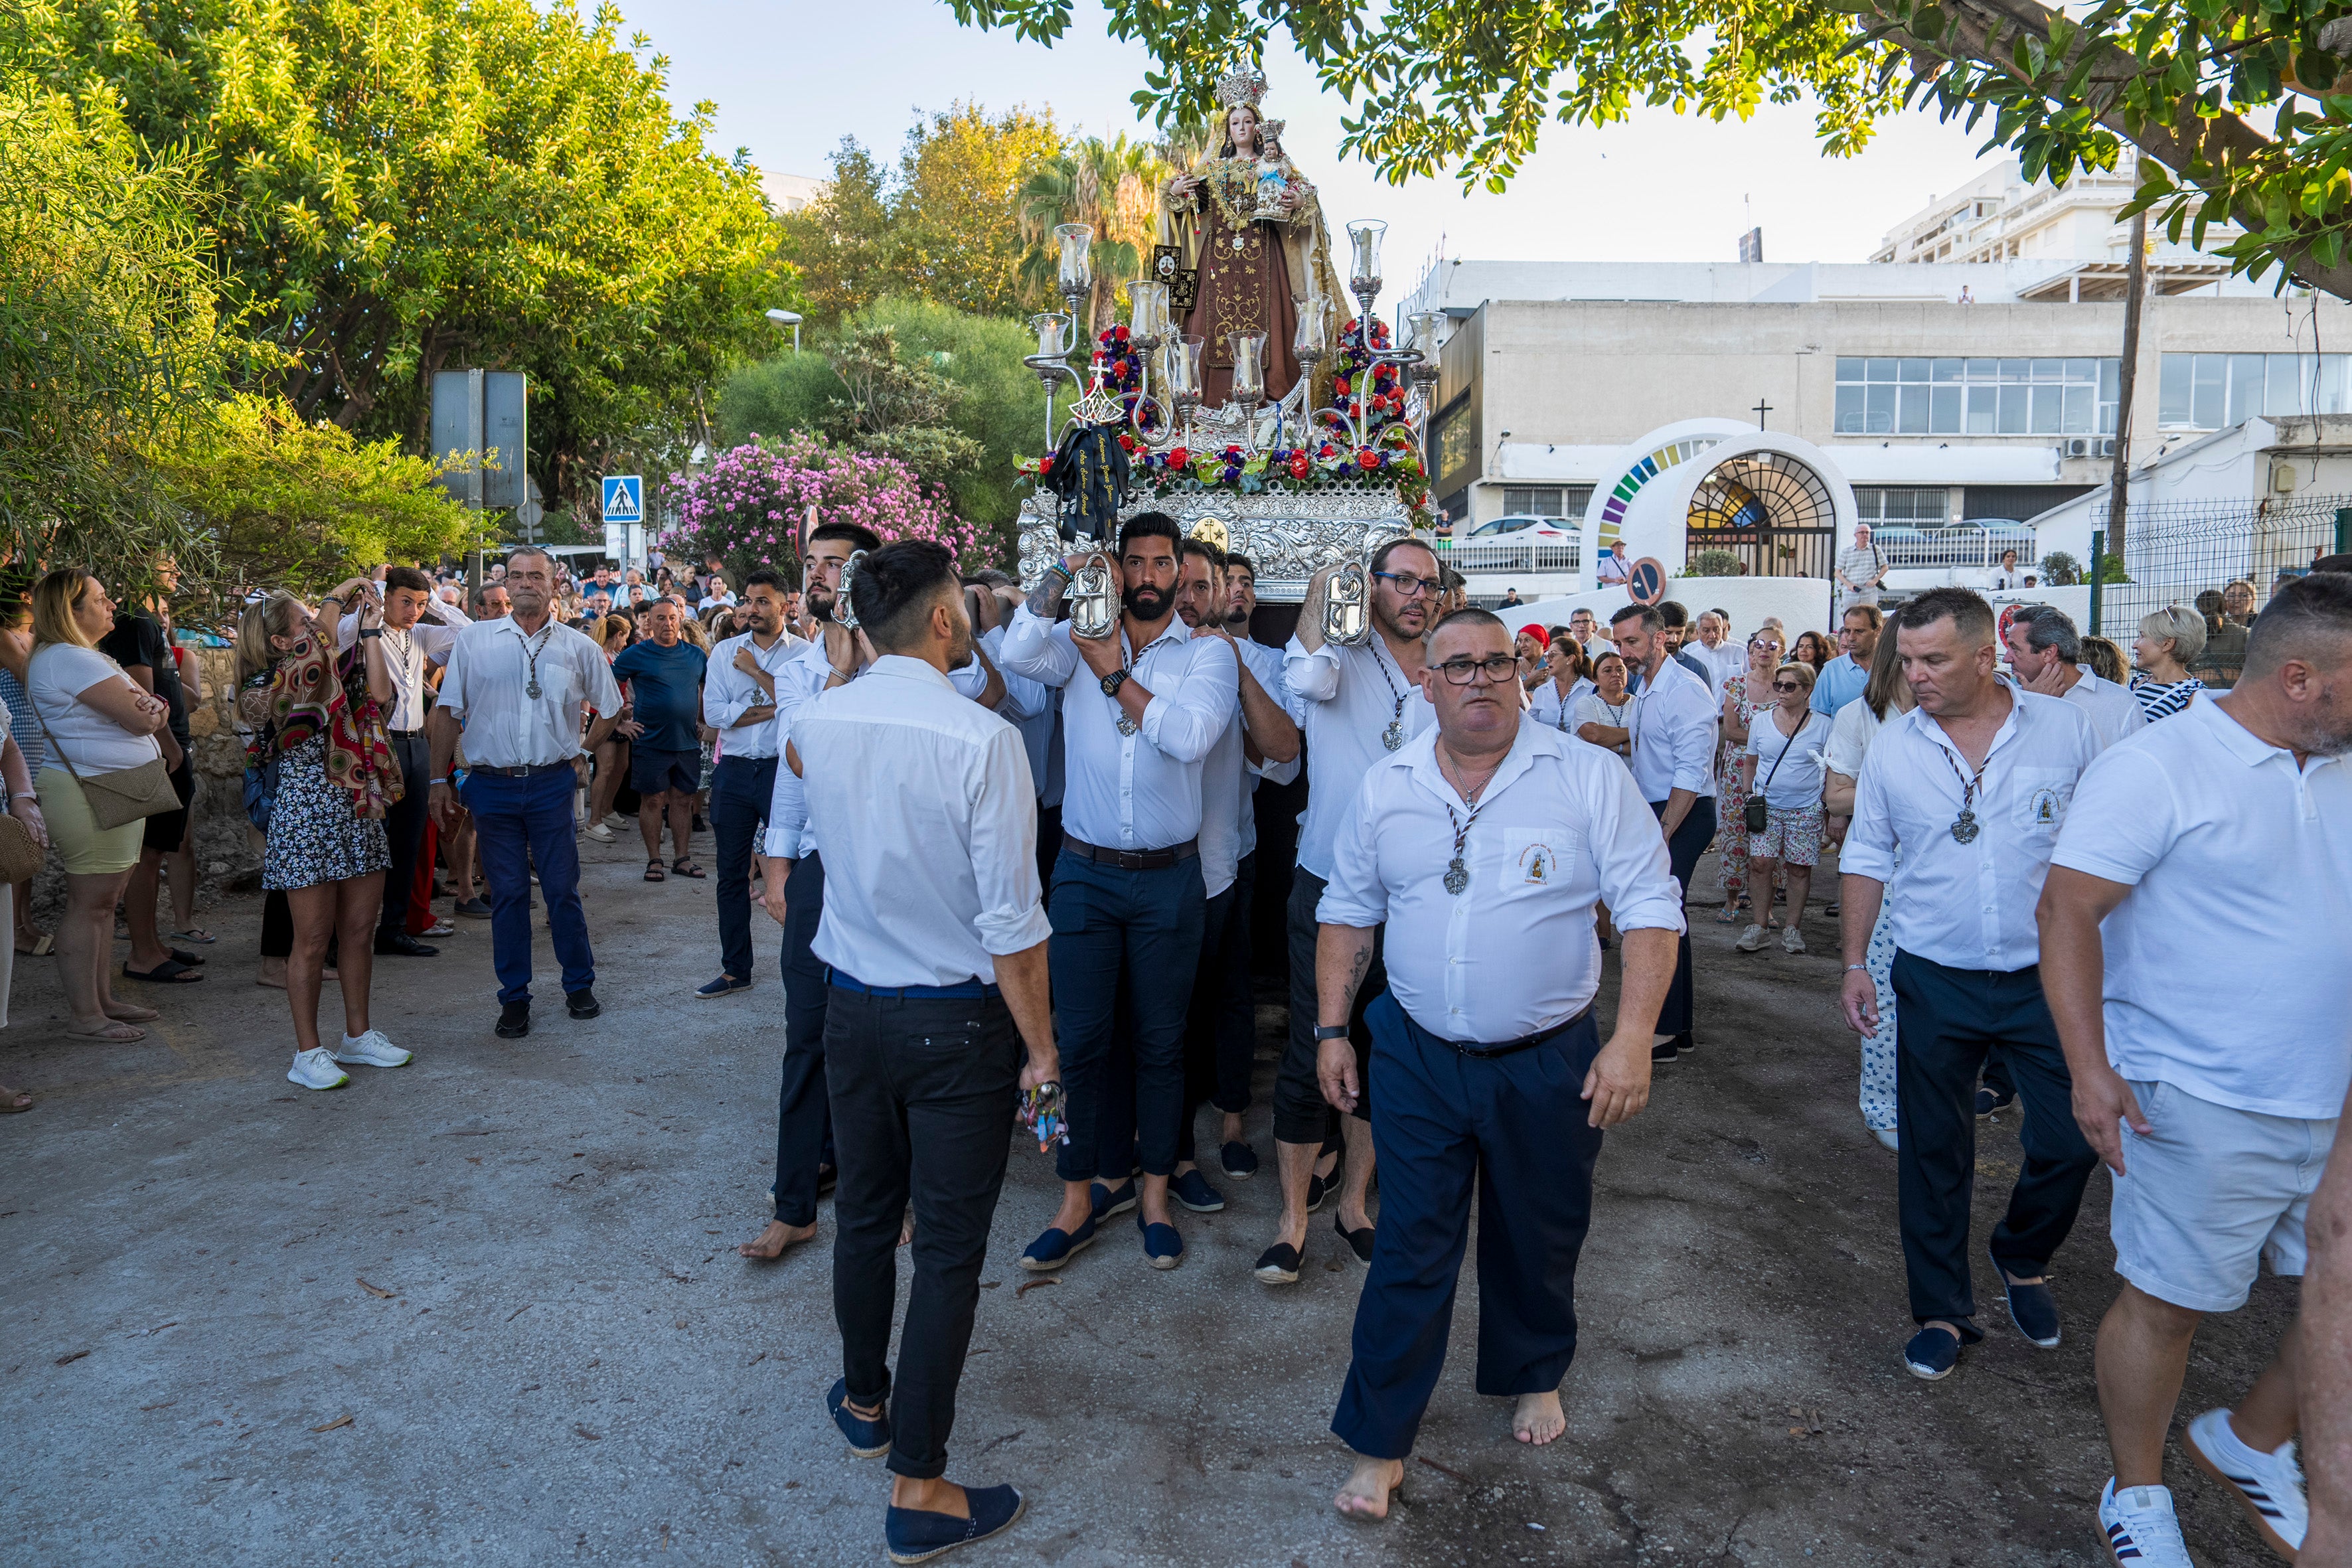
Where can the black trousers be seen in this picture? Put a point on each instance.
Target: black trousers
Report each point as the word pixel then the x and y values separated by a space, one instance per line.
pixel 741 788
pixel 925 1089
pixel 404 828
pixel 1220 1034
pixel 1511 1129
pixel 1945 1022
pixel 1683 849
pixel 1301 1114
pixel 803 1111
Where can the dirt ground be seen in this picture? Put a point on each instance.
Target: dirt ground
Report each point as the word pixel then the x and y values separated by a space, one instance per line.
pixel 486 1309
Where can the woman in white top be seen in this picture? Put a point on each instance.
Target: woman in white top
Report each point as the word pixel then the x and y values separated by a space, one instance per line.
pixel 1743 699
pixel 1783 764
pixel 2168 640
pixel 96 721
pixel 2007 576
pixel 1604 715
pixel 1887 695
pixel 1567 679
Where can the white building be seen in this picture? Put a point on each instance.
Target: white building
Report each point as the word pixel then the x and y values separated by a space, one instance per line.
pixel 789 192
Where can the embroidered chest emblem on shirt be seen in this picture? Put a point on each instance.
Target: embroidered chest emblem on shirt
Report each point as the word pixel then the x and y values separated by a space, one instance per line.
pixel 2048 805
pixel 1535 864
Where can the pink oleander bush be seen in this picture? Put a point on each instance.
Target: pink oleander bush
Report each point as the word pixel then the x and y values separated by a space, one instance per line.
pixel 749 503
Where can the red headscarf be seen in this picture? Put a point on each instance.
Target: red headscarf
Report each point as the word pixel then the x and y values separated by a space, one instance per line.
pixel 1543 638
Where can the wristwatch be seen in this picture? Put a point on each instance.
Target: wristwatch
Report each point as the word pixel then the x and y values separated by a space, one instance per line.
pixel 1114 680
pixel 1330 1031
pixel 370 631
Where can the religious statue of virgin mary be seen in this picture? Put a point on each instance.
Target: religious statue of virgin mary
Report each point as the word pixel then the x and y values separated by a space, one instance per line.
pixel 1250 226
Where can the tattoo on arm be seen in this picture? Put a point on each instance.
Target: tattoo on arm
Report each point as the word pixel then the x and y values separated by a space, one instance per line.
pixel 1045 600
pixel 1357 967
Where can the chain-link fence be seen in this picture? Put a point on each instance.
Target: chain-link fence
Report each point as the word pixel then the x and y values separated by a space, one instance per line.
pixel 2222 559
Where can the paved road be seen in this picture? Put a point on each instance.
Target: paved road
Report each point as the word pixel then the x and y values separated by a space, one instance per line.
pixel 485 1309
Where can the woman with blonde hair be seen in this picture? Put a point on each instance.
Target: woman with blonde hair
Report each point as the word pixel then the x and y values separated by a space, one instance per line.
pixel 1885 696
pixel 97 721
pixel 325 765
pixel 2168 639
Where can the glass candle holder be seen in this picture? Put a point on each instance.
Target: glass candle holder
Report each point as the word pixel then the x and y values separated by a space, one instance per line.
pixel 1078 269
pixel 1051 328
pixel 1147 309
pixel 1249 364
pixel 1184 366
pixel 1364 254
pixel 1421 329
pixel 1312 339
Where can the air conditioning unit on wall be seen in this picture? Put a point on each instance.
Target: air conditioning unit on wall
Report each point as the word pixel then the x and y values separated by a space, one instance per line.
pixel 2107 447
pixel 2078 447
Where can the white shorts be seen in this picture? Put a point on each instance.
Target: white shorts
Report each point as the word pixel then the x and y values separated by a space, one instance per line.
pixel 2210 1193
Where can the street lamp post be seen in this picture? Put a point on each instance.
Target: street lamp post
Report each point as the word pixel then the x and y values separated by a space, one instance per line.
pixel 787 318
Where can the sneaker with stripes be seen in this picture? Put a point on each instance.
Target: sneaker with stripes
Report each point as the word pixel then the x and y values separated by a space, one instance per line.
pixel 2140 1529
pixel 2269 1486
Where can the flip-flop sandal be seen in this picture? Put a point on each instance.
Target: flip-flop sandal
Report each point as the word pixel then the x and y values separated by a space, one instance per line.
pixel 197 934
pixel 8 1105
pixel 190 959
pixel 171 972
pixel 689 869
pixel 116 1033
pixel 43 945
pixel 653 872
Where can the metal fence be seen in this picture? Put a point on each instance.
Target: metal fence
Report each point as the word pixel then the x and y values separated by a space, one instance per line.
pixel 2222 559
pixel 1562 556
pixel 1963 544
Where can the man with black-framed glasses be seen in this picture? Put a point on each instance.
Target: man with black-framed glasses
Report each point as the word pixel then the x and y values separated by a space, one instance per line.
pixel 1356 705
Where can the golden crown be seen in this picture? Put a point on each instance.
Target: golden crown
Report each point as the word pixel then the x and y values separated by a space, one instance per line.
pixel 1242 84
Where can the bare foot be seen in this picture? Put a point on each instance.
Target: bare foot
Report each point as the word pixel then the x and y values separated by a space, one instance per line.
pixel 1539 1418
pixel 906 1238
pixel 130 1012
pixel 1366 1493
pixel 273 974
pixel 774 1240
pixel 14 1099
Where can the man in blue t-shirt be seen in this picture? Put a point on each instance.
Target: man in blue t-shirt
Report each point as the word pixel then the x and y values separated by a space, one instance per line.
pixel 664 680
pixel 1843 678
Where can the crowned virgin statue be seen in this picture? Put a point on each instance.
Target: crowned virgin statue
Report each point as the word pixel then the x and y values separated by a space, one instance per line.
pixel 1249 226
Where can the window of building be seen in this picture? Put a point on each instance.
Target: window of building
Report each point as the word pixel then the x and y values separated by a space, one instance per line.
pixel 1912 396
pixel 2210 391
pixel 1546 500
pixel 1925 507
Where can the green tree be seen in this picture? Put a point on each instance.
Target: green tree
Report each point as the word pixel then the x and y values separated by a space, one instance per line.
pixel 1113 187
pixel 401 186
pixel 955 235
pixel 1470 84
pixel 841 242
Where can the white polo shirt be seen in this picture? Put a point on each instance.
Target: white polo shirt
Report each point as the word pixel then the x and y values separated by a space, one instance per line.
pixel 1560 827
pixel 1967 906
pixel 1345 699
pixel 2227 974
pixel 1672 731
pixel 930 881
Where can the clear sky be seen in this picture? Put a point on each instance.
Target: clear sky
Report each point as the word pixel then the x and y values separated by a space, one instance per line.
pixel 791 79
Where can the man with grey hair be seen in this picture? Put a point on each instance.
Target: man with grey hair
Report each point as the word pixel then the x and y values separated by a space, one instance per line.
pixel 2044 651
pixel 2214 1102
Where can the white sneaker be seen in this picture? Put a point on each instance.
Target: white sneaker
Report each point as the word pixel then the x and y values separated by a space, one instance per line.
pixel 1750 939
pixel 597 831
pixel 372 1049
pixel 2269 1486
pixel 2140 1529
pixel 1791 939
pixel 314 1068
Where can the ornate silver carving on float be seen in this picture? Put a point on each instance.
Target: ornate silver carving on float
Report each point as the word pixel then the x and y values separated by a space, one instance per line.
pixel 1289 538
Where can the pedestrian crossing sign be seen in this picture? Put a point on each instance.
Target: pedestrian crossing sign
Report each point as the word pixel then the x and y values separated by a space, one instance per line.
pixel 624 498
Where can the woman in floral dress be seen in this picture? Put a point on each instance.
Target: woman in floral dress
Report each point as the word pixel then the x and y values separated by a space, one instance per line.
pixel 1742 699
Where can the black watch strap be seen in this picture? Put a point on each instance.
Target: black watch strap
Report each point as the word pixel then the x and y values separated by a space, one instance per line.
pixel 1330 1031
pixel 1113 681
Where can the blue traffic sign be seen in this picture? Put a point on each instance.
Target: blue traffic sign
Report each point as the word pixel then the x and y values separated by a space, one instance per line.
pixel 624 498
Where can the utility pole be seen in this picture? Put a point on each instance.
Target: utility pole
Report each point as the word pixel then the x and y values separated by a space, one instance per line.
pixel 2119 484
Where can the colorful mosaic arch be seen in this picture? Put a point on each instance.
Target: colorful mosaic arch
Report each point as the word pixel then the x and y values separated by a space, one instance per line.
pixel 1644 470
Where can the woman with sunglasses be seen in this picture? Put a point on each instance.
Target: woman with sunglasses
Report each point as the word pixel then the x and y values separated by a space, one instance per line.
pixel 1782 761
pixel 1742 699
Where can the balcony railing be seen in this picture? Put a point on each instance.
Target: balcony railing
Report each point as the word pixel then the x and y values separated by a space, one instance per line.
pixel 1505 556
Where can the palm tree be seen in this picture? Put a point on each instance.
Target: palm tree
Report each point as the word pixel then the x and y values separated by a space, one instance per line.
pixel 1112 185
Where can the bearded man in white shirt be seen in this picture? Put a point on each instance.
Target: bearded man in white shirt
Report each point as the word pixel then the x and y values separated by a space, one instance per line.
pixel 2211 1057
pixel 1356 705
pixel 1483 847
pixel 1672 733
pixel 1972 785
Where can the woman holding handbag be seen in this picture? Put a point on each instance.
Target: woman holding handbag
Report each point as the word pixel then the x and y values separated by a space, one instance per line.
pixel 104 777
pixel 320 748
pixel 1781 766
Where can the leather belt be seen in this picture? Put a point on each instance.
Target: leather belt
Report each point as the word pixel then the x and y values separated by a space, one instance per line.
pixel 405 734
pixel 528 770
pixel 1482 1052
pixel 973 987
pixel 1131 859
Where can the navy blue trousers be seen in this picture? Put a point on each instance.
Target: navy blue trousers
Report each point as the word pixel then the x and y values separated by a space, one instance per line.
pixel 525 824
pixel 1220 1034
pixel 1143 927
pixel 1683 849
pixel 804 1109
pixel 1515 1128
pixel 1945 1020
pixel 741 788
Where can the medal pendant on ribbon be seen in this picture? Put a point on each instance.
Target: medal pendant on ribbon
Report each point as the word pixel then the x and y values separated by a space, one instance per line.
pixel 1457 877
pixel 1393 736
pixel 531 690
pixel 1964 826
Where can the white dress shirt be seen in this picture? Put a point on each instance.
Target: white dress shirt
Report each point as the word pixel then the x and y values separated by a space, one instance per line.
pixel 2225 968
pixel 1265 664
pixel 406 653
pixel 1142 791
pixel 489 673
pixel 929 880
pixel 1560 826
pixel 799 682
pixel 728 694
pixel 1344 704
pixel 2113 710
pixel 1673 732
pixel 1724 661
pixel 1229 780
pixel 1546 706
pixel 1967 906
pixel 1023 698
